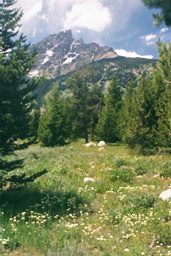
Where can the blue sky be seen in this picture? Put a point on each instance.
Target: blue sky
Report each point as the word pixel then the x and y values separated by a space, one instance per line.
pixel 125 25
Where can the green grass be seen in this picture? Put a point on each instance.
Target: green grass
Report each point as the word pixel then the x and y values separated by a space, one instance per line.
pixel 58 214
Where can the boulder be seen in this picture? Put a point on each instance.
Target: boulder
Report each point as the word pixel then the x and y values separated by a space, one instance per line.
pixel 101 143
pixel 165 195
pixel 90 144
pixel 89 179
pixel 101 149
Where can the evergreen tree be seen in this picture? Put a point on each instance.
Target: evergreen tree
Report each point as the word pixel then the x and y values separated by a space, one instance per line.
pixel 109 126
pixel 15 88
pixel 54 125
pixel 95 103
pixel 33 124
pixel 80 83
pixel 165 7
pixel 162 85
pixel 128 114
pixel 148 108
pixel 144 116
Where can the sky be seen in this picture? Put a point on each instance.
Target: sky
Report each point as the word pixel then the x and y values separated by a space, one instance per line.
pixel 125 25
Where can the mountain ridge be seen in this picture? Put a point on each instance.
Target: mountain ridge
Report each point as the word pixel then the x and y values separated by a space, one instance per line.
pixel 60 53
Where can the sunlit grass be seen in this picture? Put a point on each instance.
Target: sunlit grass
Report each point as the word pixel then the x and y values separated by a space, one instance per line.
pixel 120 213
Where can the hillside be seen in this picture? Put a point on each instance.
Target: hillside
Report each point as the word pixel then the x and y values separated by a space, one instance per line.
pixel 60 55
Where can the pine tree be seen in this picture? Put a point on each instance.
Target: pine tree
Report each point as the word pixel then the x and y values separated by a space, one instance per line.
pixel 148 108
pixel 15 88
pixel 142 127
pixel 108 127
pixel 33 124
pixel 162 85
pixel 95 103
pixel 164 6
pixel 128 114
pixel 80 83
pixel 54 126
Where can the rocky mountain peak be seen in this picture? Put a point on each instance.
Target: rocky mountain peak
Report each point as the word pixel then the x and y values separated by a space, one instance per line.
pixel 60 54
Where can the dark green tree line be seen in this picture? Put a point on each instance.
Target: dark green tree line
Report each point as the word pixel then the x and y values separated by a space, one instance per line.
pixel 147 109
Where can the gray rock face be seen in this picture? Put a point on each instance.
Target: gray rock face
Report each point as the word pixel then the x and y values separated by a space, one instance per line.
pixel 60 54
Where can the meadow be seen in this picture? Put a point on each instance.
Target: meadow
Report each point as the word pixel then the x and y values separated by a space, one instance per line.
pixel 119 213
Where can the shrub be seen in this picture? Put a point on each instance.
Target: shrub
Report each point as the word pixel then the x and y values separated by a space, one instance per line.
pixel 166 170
pixel 143 201
pixel 125 175
pixel 140 170
pixel 163 234
pixel 119 162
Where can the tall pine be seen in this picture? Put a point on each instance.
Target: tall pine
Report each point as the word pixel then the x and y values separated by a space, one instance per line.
pixel 54 125
pixel 15 88
pixel 109 126
pixel 162 85
pixel 80 84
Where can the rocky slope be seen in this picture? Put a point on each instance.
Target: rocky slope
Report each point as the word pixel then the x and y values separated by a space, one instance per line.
pixel 60 54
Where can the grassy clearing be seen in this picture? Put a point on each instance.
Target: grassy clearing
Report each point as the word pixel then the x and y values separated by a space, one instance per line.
pixel 118 214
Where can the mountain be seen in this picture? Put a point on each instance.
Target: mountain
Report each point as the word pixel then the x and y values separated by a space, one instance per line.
pixel 59 55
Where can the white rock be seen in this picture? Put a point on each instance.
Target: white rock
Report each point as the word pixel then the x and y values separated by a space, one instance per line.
pixel 165 194
pixel 89 179
pixel 90 144
pixel 101 149
pixel 101 143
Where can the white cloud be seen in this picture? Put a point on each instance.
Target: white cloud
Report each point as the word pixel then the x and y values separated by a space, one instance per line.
pixel 150 43
pixel 163 30
pixel 124 53
pixel 88 14
pixel 96 15
pixel 31 8
pixel 148 37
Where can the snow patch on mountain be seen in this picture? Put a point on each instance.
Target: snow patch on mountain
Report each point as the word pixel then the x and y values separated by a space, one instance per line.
pixel 49 53
pixel 70 59
pixel 45 60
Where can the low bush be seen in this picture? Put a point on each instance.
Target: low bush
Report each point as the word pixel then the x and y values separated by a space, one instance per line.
pixel 166 170
pixel 124 174
pixel 140 170
pixel 163 234
pixel 118 162
pixel 143 201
